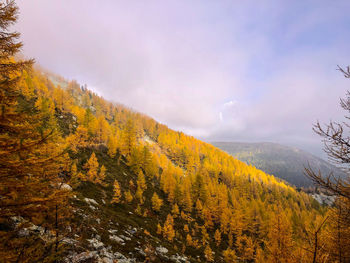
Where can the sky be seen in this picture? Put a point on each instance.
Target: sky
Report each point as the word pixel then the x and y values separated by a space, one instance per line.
pixel 218 70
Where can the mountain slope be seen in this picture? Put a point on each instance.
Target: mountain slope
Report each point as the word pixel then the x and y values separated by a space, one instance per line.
pixel 282 161
pixel 124 166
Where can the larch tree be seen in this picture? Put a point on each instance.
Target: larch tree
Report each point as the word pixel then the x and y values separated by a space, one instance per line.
pixel 128 197
pixel 141 181
pixel 32 160
pixel 217 237
pixel 159 229
pixel 129 137
pixel 280 243
pixel 189 241
pixel 101 175
pixel 112 145
pixel 91 167
pixel 156 202
pixel 229 256
pixel 208 254
pixel 117 194
pixel 175 210
pixel 168 228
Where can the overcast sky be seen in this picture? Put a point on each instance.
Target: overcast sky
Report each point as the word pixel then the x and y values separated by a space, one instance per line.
pixel 219 70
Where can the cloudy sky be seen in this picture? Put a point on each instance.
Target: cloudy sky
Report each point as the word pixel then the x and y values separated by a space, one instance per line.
pixel 218 70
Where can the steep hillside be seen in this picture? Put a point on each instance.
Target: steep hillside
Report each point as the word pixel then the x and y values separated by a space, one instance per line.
pixel 141 190
pixel 282 161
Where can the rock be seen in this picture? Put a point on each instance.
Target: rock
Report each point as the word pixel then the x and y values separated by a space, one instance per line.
pixel 179 259
pixel 132 231
pixel 161 250
pixel 90 201
pixel 69 241
pixel 112 231
pixel 140 251
pixel 118 255
pixel 106 253
pixel 324 199
pixel 36 229
pixel 105 260
pixel 117 239
pixel 18 219
pixel 23 232
pixel 125 238
pixel 66 187
pixel 95 243
pixel 127 260
pixel 84 256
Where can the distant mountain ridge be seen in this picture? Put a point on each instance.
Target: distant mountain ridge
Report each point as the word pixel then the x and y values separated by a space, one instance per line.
pixel 282 161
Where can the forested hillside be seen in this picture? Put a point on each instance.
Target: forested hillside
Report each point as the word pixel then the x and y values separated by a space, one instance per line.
pixel 86 180
pixel 282 161
pixel 198 198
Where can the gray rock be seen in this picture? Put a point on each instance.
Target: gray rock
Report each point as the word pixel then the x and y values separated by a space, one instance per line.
pixel 69 241
pixel 84 256
pixel 179 259
pixel 324 199
pixel 161 250
pixel 36 229
pixel 132 231
pixel 113 231
pixel 118 255
pixel 66 187
pixel 117 239
pixel 90 201
pixel 95 243
pixel 140 251
pixel 105 260
pixel 125 238
pixel 24 232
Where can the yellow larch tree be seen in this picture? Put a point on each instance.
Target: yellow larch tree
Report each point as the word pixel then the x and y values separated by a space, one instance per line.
pixel 175 210
pixel 117 194
pixel 229 256
pixel 156 202
pixel 101 175
pixel 91 167
pixel 159 229
pixel 128 196
pixel 208 254
pixel 217 237
pixel 189 241
pixel 280 243
pixel 168 228
pixel 112 145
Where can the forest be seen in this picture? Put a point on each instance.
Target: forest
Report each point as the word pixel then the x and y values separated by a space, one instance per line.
pixel 61 143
